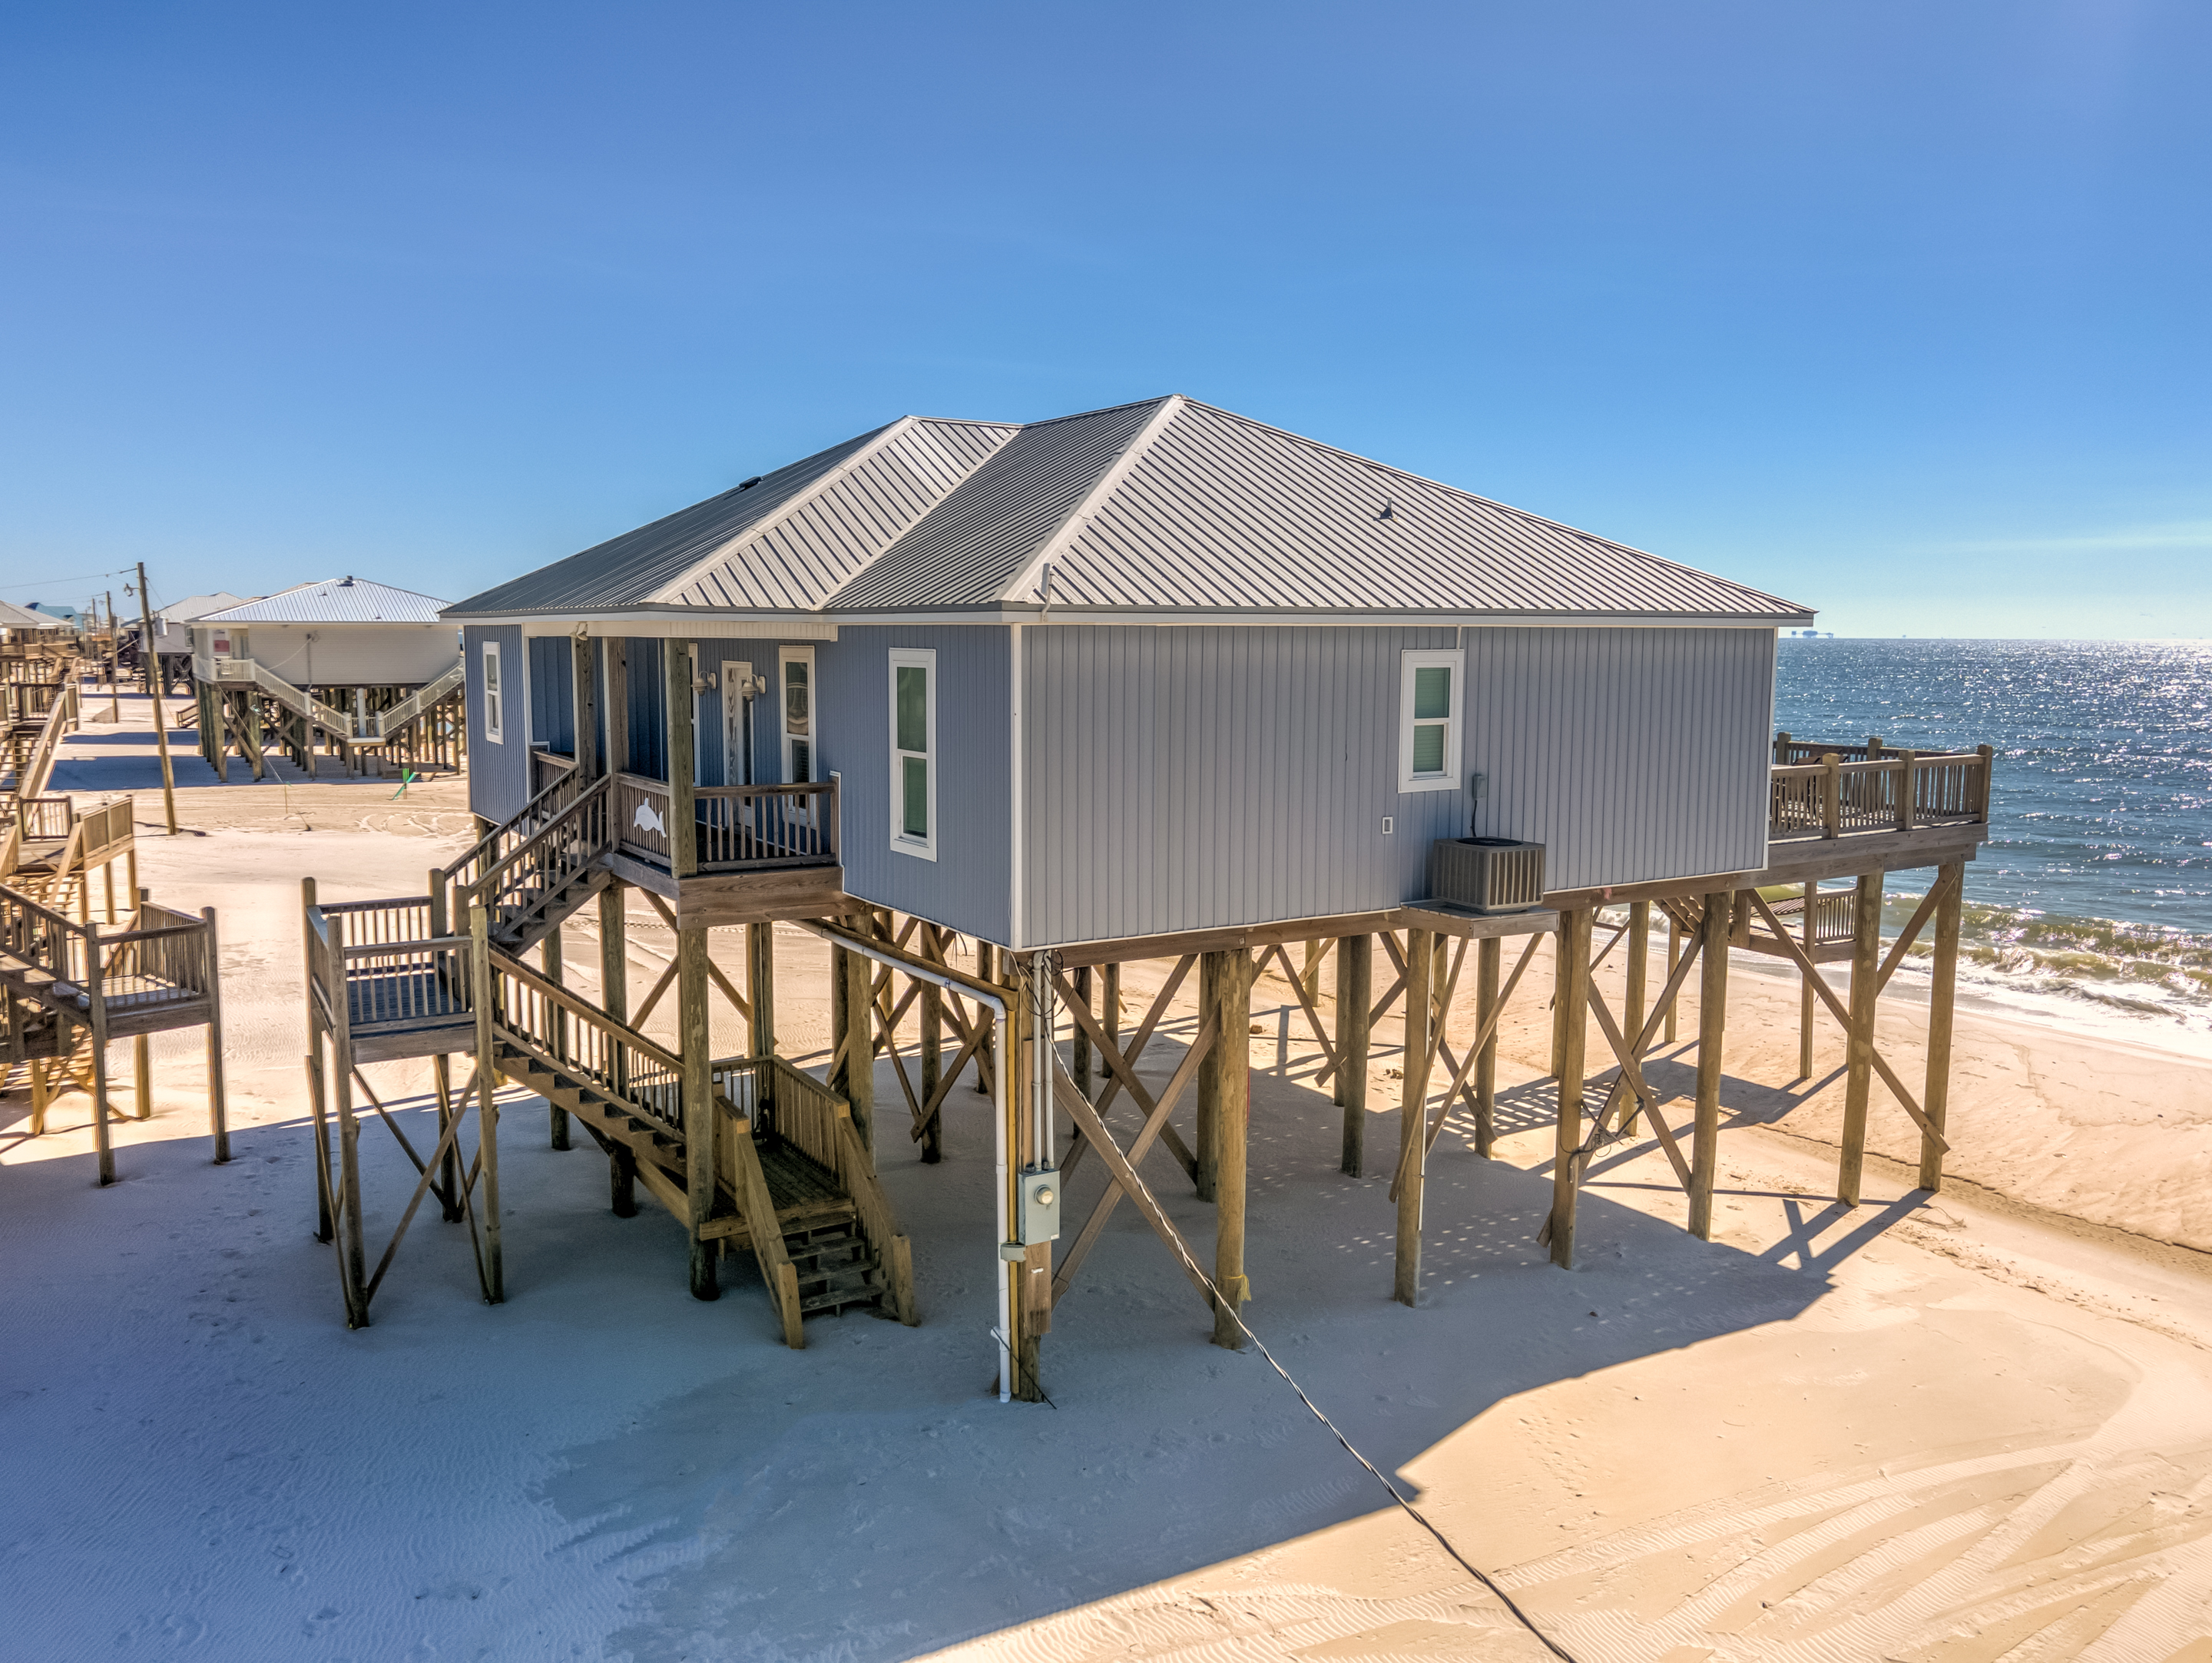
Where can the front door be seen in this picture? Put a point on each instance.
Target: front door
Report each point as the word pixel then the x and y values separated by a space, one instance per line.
pixel 737 736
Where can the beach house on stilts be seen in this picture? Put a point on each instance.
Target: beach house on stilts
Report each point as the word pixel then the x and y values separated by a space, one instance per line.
pixel 346 671
pixel 995 709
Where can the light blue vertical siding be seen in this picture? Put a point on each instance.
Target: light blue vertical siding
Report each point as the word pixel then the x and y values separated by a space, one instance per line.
pixel 499 774
pixel 1632 754
pixel 1195 778
pixel 968 886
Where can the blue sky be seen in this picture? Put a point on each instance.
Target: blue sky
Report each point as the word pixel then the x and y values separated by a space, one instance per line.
pixel 1898 310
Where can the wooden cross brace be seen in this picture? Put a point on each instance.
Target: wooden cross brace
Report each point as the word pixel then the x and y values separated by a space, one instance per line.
pixel 1123 1167
pixel 1466 1067
pixel 1631 1080
pixel 1836 1008
pixel 1123 1067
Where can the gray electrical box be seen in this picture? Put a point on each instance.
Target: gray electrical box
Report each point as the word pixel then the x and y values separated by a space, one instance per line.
pixel 1038 1218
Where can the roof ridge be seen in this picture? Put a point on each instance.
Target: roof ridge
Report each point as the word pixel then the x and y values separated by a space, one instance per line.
pixel 883 435
pixel 1492 502
pixel 1107 482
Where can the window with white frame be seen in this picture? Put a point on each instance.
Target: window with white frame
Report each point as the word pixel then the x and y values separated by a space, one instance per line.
pixel 795 671
pixel 494 698
pixel 914 750
pixel 1429 722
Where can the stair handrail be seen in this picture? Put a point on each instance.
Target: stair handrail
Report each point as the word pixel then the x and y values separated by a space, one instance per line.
pixel 824 1130
pixel 488 883
pixel 400 716
pixel 618 1081
pixel 537 806
pixel 32 782
pixel 298 702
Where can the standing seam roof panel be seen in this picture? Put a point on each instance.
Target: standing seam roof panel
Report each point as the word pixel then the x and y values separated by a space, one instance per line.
pixel 971 544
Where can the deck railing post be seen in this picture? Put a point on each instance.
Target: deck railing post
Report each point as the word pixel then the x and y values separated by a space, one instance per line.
pixel 1782 747
pixel 1831 796
pixel 1982 804
pixel 1907 761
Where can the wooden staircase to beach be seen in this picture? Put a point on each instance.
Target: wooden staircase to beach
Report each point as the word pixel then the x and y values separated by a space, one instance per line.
pixel 792 1182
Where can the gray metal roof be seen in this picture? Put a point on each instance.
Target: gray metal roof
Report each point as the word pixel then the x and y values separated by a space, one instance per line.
pixel 333 600
pixel 1165 508
pixel 13 617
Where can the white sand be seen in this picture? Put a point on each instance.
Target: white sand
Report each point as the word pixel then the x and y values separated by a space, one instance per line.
pixel 1973 1428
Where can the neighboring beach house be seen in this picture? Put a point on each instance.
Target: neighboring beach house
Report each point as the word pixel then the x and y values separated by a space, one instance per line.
pixel 346 665
pixel 1151 669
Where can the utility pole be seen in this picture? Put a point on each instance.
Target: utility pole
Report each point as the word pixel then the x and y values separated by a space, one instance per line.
pixel 114 709
pixel 152 662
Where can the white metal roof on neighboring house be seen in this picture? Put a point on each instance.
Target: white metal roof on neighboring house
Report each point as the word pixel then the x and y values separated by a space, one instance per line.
pixel 1166 508
pixel 13 617
pixel 333 600
pixel 197 606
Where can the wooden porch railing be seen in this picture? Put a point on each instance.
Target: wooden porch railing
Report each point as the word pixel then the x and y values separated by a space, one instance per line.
pixel 792 1104
pixel 741 828
pixel 1898 791
pixel 382 964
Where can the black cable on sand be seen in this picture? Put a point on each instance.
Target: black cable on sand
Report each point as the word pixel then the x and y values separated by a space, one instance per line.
pixel 1380 1478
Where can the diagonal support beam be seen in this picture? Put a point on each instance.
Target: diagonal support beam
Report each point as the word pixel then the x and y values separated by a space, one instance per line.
pixel 1072 1102
pixel 1124 1072
pixel 1836 1009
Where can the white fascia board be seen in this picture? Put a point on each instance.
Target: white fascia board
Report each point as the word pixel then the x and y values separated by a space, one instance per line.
pixel 1071 618
pixel 671 624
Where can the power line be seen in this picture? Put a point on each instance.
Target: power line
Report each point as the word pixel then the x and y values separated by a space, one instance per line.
pixel 1376 1473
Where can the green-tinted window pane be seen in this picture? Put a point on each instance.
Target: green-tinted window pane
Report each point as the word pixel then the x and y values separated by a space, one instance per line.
pixel 913 708
pixel 915 822
pixel 794 695
pixel 802 763
pixel 1432 692
pixel 1428 749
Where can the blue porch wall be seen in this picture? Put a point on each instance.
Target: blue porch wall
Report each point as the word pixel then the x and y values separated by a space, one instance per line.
pixel 499 773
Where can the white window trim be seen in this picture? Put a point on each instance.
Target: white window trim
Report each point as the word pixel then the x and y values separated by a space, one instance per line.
pixel 918 658
pixel 495 695
pixel 1449 658
pixel 812 736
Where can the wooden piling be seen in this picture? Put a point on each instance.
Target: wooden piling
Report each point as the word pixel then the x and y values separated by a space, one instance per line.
pixel 701 1121
pixel 931 999
pixel 860 1072
pixel 1673 959
pixel 984 972
pixel 141 1077
pixel 97 1011
pixel 1719 908
pixel 583 692
pixel 1808 930
pixel 682 707
pixel 1637 998
pixel 1230 1062
pixel 495 1271
pixel 1488 957
pixel 1574 945
pixel 1943 996
pixel 760 989
pixel 1413 1116
pixel 1858 1066
pixel 1561 972
pixel 1355 999
pixel 1209 1080
pixel 218 1107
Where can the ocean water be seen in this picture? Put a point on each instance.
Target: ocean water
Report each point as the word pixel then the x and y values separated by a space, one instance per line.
pixel 2094 894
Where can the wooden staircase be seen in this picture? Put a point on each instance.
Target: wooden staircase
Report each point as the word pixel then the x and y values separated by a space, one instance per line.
pixel 532 873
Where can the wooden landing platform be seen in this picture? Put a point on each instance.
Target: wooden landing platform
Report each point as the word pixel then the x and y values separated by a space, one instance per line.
pixel 412 1012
